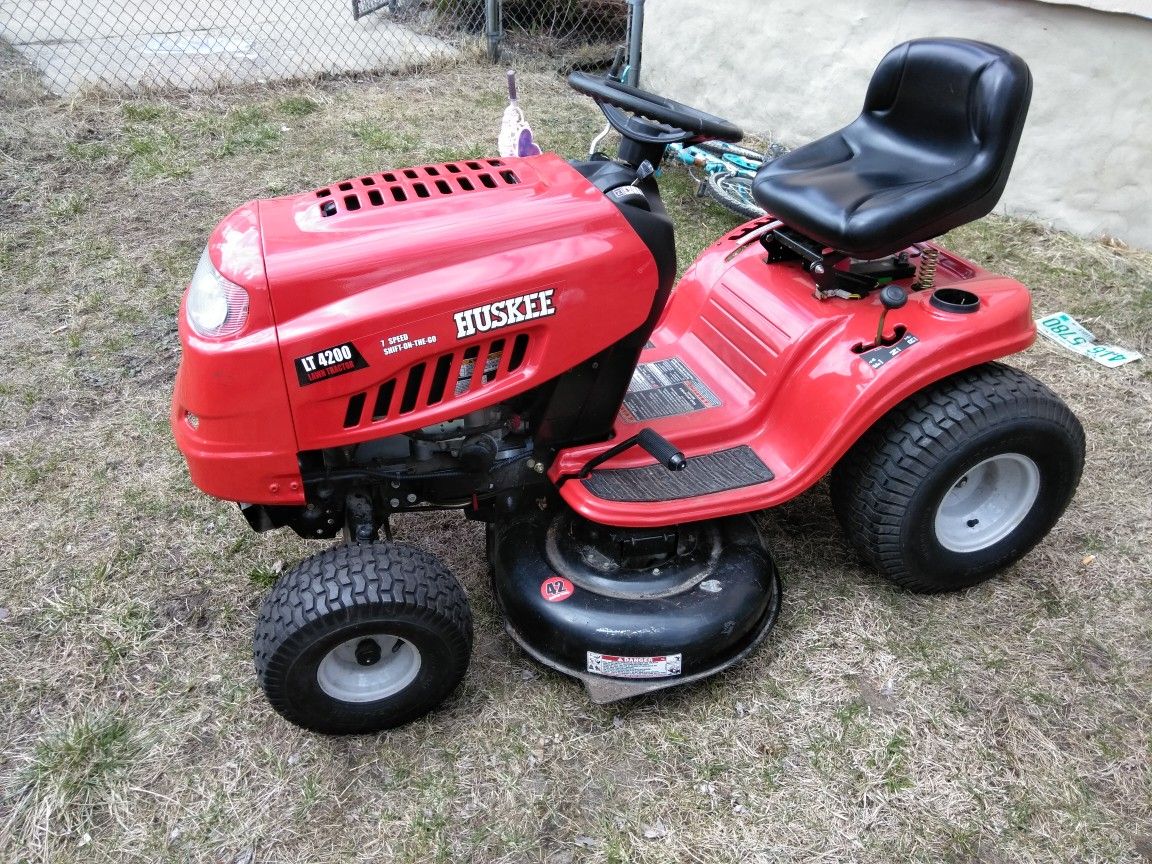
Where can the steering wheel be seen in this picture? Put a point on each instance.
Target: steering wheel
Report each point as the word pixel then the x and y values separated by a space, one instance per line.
pixel 652 119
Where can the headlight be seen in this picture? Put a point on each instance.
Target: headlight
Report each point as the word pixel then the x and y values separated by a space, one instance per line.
pixel 216 307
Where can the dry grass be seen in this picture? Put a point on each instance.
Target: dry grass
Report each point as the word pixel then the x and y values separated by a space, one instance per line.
pixel 1007 724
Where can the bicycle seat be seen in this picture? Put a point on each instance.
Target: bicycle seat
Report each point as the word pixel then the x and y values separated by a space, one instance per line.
pixel 931 150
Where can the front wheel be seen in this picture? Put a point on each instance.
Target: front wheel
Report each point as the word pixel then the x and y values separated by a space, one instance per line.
pixel 960 480
pixel 362 637
pixel 734 191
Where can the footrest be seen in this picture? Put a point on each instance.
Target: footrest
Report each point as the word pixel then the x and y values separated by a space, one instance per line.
pixel 703 475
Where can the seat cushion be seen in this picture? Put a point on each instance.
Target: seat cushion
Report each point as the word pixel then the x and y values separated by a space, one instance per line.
pixel 931 150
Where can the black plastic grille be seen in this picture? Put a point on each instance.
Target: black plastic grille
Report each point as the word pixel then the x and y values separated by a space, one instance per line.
pixel 414 184
pixel 432 382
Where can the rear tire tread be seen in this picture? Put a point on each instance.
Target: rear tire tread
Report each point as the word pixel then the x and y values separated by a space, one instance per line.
pixel 874 482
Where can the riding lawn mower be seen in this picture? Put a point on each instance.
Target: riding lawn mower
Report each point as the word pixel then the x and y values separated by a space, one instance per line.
pixel 502 336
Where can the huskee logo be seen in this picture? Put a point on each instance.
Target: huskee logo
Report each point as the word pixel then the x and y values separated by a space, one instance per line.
pixel 504 313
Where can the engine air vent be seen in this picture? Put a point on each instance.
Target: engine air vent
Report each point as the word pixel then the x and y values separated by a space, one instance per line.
pixel 414 184
pixel 433 382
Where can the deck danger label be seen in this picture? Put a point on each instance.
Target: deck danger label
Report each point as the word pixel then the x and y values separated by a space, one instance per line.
pixel 665 388
pixel 329 363
pixel 615 666
pixel 504 313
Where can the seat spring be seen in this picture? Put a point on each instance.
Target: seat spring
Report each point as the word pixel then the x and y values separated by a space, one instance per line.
pixel 926 278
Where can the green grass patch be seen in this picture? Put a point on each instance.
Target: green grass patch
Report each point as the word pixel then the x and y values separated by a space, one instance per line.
pixel 144 112
pixel 297 106
pixel 72 774
pixel 374 136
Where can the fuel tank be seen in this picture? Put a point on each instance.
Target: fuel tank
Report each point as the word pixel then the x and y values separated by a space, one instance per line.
pixel 396 300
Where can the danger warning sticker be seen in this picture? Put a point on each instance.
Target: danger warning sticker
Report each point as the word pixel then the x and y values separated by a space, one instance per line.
pixel 614 666
pixel 665 388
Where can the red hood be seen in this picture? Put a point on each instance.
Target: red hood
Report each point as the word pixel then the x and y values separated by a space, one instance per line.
pixel 379 230
pixel 393 266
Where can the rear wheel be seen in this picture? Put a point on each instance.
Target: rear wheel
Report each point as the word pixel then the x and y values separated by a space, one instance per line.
pixel 734 191
pixel 362 637
pixel 960 480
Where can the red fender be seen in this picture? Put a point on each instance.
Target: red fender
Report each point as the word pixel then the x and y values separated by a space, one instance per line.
pixel 781 371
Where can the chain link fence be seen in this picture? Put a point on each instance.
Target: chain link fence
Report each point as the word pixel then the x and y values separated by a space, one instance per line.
pixel 190 44
pixel 576 33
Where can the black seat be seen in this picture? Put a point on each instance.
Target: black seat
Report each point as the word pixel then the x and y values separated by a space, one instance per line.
pixel 930 151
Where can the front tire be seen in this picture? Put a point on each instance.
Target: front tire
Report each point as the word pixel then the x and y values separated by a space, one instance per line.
pixel 960 480
pixel 362 637
pixel 734 191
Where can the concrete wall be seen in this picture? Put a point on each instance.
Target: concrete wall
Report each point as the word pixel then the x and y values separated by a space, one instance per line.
pixel 796 70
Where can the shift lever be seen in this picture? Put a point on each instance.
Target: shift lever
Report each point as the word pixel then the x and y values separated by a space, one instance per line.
pixel 893 297
pixel 643 172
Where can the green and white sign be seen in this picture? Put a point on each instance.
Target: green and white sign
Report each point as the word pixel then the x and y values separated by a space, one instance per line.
pixel 1065 330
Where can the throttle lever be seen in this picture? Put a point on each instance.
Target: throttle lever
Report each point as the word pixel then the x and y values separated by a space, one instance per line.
pixel 643 172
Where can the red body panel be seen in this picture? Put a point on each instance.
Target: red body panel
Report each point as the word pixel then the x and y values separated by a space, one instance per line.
pixel 243 446
pixel 385 264
pixel 395 275
pixel 425 275
pixel 782 365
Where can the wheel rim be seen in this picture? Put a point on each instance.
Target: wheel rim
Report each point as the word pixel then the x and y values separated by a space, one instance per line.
pixel 737 187
pixel 987 502
pixel 368 668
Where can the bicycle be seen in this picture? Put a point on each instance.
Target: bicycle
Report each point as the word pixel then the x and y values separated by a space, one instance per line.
pixel 728 172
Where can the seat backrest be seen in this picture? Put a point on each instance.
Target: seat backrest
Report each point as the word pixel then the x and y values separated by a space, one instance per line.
pixel 952 98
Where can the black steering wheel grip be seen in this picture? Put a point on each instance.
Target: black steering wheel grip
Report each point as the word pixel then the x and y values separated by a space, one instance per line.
pixel 649 118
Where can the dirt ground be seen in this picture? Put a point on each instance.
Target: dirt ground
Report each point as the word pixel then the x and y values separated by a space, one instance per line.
pixel 1010 723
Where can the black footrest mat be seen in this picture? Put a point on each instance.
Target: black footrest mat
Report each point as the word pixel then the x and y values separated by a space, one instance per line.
pixel 712 472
